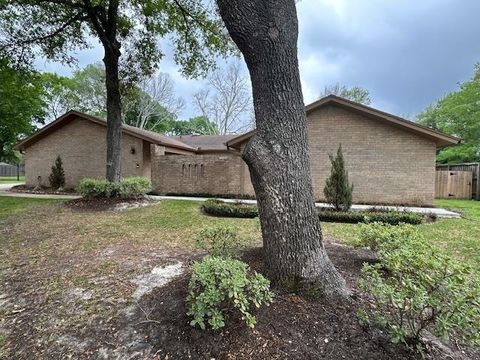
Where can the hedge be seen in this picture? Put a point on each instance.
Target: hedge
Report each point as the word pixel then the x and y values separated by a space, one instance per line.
pixel 388 217
pixel 219 208
pixel 128 188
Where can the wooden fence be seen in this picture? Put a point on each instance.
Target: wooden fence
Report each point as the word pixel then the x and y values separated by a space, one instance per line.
pixel 11 170
pixel 459 181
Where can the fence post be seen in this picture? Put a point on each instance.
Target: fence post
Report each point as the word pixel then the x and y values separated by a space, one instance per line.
pixel 477 193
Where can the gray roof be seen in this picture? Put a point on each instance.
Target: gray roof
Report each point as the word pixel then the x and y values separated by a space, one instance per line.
pixel 205 142
pixel 147 135
pixel 192 143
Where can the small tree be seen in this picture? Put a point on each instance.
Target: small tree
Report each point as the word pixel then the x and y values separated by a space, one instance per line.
pixel 57 176
pixel 338 191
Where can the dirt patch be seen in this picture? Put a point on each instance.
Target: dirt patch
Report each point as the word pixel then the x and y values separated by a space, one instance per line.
pixel 292 327
pixel 68 279
pixel 109 204
pixel 158 277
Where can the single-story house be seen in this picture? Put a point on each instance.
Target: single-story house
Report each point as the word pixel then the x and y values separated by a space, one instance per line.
pixel 390 160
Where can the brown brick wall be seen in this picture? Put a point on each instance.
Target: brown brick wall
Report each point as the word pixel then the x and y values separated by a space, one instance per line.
pixel 194 174
pixel 82 147
pixel 385 164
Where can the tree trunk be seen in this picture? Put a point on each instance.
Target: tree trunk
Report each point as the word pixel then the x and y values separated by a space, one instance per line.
pixel 277 156
pixel 114 113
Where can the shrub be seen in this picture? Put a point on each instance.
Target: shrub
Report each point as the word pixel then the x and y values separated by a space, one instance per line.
pixel 96 188
pixel 355 217
pixel 220 208
pixel 417 287
pixel 133 187
pixel 338 191
pixel 375 235
pixel 220 240
pixel 220 285
pixel 57 176
pixel 393 217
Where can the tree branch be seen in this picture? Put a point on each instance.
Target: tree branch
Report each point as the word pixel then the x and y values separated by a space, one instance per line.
pixel 78 17
pixel 63 2
pixel 186 13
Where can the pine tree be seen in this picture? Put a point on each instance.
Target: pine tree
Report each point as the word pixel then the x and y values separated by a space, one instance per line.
pixel 338 191
pixel 57 176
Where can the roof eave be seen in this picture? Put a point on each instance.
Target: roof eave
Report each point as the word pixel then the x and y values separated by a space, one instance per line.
pixel 22 145
pixel 441 139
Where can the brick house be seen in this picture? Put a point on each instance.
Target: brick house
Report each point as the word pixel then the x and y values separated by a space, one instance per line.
pixel 390 160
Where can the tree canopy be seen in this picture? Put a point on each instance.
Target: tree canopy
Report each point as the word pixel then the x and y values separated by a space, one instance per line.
pixel 21 108
pixel 227 100
pixel 128 31
pixel 55 28
pixel 199 125
pixel 355 93
pixel 458 114
pixel 83 91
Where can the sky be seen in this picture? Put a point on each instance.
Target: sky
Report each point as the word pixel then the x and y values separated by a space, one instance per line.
pixel 407 53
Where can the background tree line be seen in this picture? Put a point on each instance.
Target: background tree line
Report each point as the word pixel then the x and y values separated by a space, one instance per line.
pixel 458 113
pixel 32 99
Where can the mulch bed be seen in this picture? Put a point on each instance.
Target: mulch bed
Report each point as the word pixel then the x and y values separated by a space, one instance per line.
pixel 292 327
pixel 107 204
pixel 44 191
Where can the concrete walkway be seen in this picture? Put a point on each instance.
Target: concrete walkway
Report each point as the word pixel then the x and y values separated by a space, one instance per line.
pixel 442 213
pixel 5 191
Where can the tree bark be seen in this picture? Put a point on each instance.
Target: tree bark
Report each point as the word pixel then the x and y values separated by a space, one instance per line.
pixel 114 114
pixel 277 156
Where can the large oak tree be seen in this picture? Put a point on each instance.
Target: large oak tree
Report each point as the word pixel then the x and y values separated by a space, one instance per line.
pixel 128 31
pixel 266 33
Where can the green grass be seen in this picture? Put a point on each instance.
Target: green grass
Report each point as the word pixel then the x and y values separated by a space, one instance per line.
pixel 2 346
pixel 10 205
pixel 174 223
pixel 11 180
pixel 460 237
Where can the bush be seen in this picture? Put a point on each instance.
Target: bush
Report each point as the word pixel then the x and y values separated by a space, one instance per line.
pixel 220 240
pixel 57 176
pixel 220 208
pixel 223 285
pixel 376 235
pixel 355 217
pixel 132 187
pixel 95 188
pixel 417 287
pixel 338 191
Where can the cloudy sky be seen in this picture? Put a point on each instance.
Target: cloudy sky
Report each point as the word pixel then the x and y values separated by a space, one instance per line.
pixel 407 53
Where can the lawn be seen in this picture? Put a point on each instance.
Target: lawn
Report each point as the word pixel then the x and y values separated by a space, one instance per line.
pixel 14 205
pixel 68 277
pixel 460 237
pixel 11 180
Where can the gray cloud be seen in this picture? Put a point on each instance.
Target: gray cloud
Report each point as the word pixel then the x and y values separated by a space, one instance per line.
pixel 407 53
